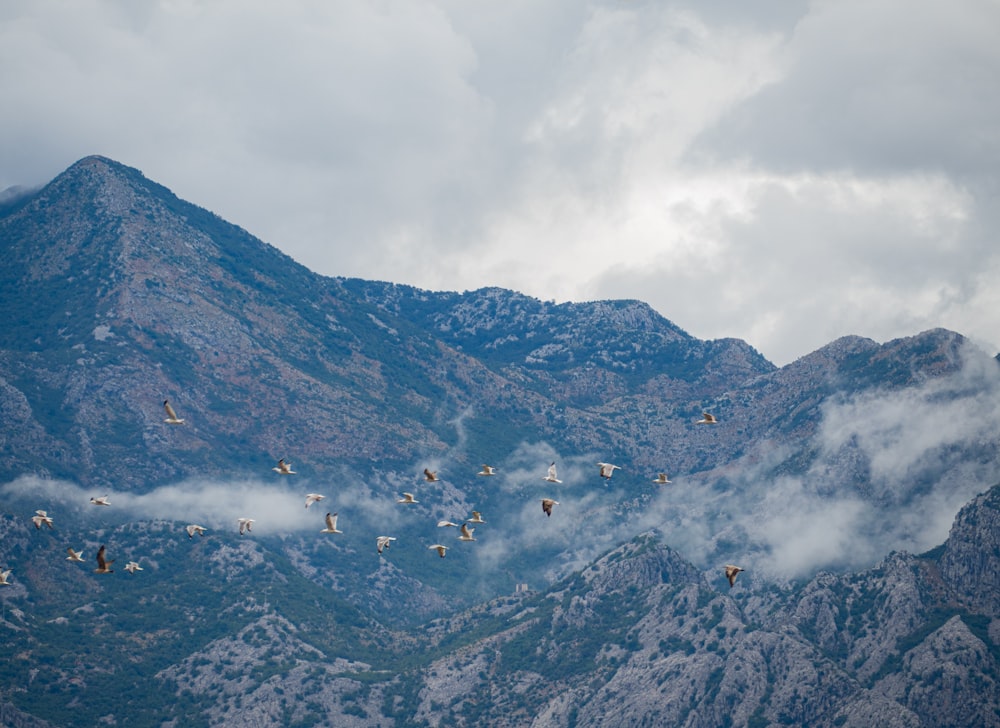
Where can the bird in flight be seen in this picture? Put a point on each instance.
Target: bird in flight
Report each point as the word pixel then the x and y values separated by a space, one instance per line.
pixel 607 470
pixel 466 533
pixel 382 543
pixel 661 479
pixel 172 418
pixel 407 498
pixel 551 476
pixel 487 470
pixel 547 504
pixel 331 524
pixel 431 476
pixel 707 419
pixel 5 574
pixel 731 573
pixel 440 549
pixel 195 528
pixel 313 498
pixel 74 555
pixel 103 565
pixel 41 517
pixel 445 524
pixel 132 567
pixel 283 468
pixel 101 501
pixel 477 517
pixel 246 524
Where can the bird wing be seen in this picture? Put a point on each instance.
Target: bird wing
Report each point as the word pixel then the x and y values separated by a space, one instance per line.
pixel 170 410
pixel 101 563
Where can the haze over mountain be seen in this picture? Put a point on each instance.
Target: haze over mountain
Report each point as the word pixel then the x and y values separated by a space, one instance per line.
pixel 117 296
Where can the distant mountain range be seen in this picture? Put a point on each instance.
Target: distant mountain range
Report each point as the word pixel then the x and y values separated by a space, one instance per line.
pixel 116 296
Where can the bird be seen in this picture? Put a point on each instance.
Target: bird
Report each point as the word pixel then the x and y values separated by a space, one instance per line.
pixel 313 498
pixel 246 524
pixel 283 468
pixel 441 548
pixel 103 566
pixel 661 479
pixel 41 517
pixel 731 572
pixel 547 504
pixel 607 470
pixel 487 470
pixel 466 533
pixel 195 528
pixel 132 567
pixel 384 542
pixel 74 555
pixel 101 501
pixel 331 524
pixel 172 418
pixel 445 524
pixel 431 476
pixel 707 419
pixel 477 517
pixel 5 574
pixel 551 476
pixel 407 498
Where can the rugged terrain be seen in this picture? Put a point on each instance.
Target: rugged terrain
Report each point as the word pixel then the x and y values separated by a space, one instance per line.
pixel 117 295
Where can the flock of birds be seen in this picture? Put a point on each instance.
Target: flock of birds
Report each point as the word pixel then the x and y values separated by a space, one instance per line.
pixel 382 543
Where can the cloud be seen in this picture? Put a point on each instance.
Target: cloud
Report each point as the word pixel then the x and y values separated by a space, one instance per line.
pixel 713 160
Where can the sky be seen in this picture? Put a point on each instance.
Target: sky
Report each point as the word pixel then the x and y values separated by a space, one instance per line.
pixel 781 172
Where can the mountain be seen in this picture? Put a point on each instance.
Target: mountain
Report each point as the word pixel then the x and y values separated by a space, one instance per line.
pixel 116 295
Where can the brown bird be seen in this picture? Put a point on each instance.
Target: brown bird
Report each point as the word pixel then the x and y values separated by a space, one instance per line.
pixel 707 419
pixel 731 572
pixel 430 476
pixel 547 504
pixel 103 566
pixel 172 418
pixel 487 470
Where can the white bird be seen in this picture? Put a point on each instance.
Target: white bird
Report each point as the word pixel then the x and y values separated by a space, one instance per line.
pixel 477 517
pixel 195 528
pixel 41 517
pixel 445 524
pixel 283 468
pixel 547 504
pixel 487 470
pixel 551 477
pixel 707 419
pixel 331 524
pixel 313 498
pixel 101 501
pixel 172 418
pixel 74 555
pixel 407 498
pixel 466 534
pixel 607 470
pixel 246 524
pixel 661 479
pixel 431 476
pixel 384 542
pixel 441 548
pixel 731 573
pixel 132 567
pixel 103 565
pixel 5 574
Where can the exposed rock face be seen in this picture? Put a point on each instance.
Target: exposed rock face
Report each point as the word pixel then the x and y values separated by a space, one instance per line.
pixel 117 295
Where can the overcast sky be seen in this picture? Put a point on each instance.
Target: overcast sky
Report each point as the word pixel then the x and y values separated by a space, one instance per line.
pixel 781 172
